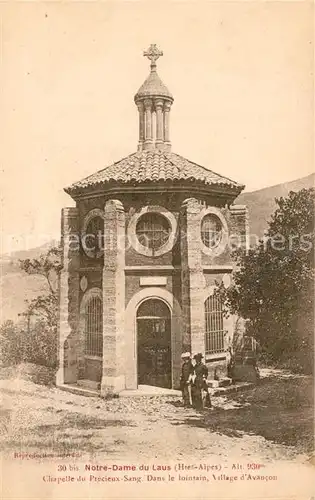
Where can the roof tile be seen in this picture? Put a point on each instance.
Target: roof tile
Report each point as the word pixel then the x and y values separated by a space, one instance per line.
pixel 153 166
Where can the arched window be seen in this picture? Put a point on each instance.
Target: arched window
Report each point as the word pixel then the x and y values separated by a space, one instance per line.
pixel 214 333
pixel 94 244
pixel 211 230
pixel 94 327
pixel 92 234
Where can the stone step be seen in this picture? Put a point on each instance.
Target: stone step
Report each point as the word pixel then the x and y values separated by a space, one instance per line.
pixel 237 387
pixel 149 390
pixel 89 384
pixel 81 391
pixel 154 391
pixel 223 382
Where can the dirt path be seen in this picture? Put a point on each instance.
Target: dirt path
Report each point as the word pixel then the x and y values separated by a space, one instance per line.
pixel 38 418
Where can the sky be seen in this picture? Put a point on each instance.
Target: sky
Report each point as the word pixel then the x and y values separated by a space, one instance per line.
pixel 241 74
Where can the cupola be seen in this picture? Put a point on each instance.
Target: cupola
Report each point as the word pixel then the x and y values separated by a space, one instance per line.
pixel 154 101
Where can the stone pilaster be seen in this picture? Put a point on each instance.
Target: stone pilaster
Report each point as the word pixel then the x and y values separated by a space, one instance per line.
pixel 69 298
pixel 113 377
pixel 192 278
pixel 148 143
pixel 141 125
pixel 167 142
pixel 239 226
pixel 159 123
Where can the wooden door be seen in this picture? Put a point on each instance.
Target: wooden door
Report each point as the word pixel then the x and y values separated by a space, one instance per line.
pixel 154 344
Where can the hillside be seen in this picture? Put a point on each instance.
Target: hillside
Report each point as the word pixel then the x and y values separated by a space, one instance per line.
pixel 261 204
pixel 16 286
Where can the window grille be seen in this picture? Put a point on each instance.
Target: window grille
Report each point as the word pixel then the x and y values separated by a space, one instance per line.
pixel 214 335
pixel 94 327
pixel 153 230
pixel 211 230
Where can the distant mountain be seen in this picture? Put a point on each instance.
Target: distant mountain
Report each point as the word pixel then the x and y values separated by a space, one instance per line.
pixel 17 286
pixel 31 253
pixel 261 204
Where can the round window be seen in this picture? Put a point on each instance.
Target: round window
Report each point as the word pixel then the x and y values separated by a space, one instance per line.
pixel 211 230
pixel 92 242
pixel 153 230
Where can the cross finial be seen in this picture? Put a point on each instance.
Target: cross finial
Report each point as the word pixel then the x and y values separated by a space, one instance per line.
pixel 153 53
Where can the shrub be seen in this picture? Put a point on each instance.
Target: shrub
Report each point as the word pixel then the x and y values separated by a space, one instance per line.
pixel 38 345
pixel 11 344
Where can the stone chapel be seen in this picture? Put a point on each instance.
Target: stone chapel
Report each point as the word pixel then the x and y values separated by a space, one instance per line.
pixel 143 249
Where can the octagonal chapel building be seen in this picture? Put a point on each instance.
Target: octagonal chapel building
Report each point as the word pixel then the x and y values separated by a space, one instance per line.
pixel 142 252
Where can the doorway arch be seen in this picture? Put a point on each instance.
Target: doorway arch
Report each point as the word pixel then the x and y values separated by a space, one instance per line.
pixel 131 333
pixel 154 357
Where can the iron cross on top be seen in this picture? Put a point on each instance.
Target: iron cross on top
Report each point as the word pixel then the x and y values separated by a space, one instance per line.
pixel 153 53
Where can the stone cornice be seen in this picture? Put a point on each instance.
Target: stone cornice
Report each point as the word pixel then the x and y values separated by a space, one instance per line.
pixel 215 191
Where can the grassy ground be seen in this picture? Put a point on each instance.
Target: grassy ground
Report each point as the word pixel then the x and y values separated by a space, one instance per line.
pixel 280 410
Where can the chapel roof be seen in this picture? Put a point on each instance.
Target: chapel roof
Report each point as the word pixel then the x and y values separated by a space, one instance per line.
pixel 154 166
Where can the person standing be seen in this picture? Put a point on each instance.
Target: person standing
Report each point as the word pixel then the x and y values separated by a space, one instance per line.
pixel 200 385
pixel 187 371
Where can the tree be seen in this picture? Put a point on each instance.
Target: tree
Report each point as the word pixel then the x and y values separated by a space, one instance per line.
pixel 274 283
pixel 45 307
pixel 37 343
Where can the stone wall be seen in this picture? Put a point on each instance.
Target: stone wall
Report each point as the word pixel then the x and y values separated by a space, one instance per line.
pixel 189 272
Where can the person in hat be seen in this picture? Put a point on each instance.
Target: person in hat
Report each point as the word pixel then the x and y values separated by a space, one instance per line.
pixel 200 385
pixel 187 372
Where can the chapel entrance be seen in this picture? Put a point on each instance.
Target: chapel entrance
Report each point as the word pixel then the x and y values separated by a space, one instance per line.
pixel 154 343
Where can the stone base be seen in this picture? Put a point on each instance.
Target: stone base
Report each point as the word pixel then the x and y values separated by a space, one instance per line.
pixel 112 385
pixel 66 375
pixel 89 384
pixel 217 370
pixel 245 373
pixel 148 145
pixel 224 382
pixel 80 391
pixel 231 389
pixel 59 377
